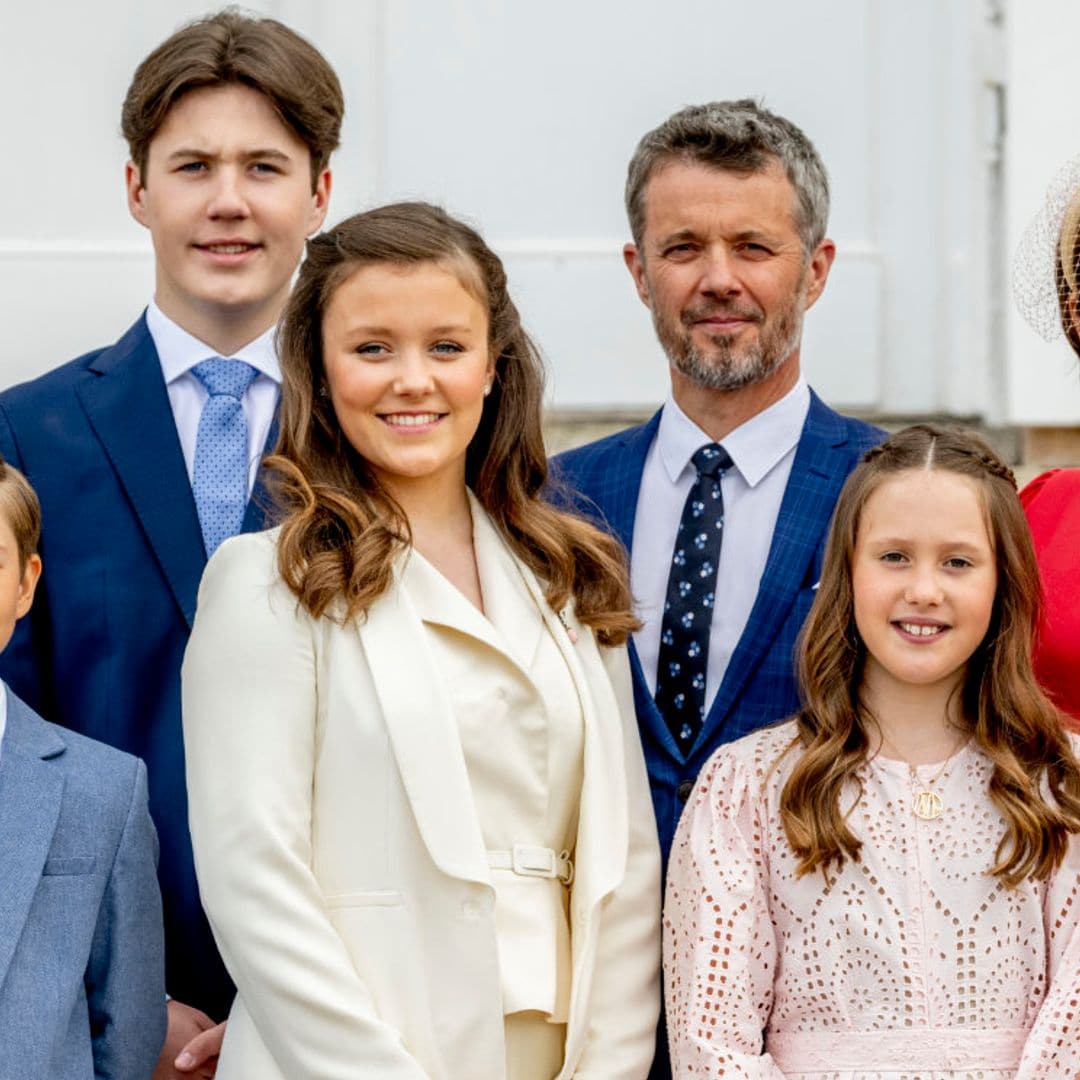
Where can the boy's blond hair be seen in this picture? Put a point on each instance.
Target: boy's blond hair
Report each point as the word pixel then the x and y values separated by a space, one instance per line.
pixel 20 507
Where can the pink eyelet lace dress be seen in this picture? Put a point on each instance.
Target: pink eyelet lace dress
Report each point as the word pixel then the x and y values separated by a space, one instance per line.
pixel 914 965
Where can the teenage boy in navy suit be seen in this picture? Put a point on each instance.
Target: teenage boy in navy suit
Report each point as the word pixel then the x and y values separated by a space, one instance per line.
pixel 82 989
pixel 145 454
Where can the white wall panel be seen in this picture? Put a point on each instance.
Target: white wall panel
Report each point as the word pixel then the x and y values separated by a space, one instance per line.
pixel 78 304
pixel 522 118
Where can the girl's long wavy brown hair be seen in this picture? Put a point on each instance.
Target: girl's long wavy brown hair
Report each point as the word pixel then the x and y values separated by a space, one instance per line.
pixel 1035 782
pixel 340 528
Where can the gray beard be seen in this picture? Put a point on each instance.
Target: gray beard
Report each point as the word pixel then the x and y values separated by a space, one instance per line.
pixel 722 367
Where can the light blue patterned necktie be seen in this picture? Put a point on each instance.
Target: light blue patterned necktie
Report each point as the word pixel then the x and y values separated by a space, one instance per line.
pixel 221 450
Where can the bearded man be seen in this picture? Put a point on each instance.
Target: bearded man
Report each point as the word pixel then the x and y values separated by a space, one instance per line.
pixel 723 498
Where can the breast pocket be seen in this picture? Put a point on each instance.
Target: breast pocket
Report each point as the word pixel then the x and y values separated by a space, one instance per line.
pixel 69 866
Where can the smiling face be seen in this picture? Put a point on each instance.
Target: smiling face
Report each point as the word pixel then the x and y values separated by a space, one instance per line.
pixel 924 579
pixel 228 200
pixel 407 361
pixel 722 269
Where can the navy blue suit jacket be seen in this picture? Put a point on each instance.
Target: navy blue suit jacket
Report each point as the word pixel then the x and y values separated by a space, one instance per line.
pixel 101 649
pixel 759 686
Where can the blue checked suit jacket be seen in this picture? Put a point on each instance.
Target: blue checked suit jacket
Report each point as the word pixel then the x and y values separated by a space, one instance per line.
pixel 759 686
pixel 101 648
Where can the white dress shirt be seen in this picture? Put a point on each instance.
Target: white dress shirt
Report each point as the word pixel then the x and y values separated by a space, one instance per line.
pixel 178 351
pixel 762 451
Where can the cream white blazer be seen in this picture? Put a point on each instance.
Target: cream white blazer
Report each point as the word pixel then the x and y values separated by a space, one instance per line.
pixel 340 858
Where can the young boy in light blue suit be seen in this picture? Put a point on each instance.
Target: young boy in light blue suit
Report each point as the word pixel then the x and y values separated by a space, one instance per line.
pixel 82 988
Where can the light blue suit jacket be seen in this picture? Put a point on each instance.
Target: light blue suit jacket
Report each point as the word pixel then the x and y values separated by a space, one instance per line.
pixel 82 988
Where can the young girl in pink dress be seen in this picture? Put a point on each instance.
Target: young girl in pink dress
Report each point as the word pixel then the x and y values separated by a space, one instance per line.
pixel 887 886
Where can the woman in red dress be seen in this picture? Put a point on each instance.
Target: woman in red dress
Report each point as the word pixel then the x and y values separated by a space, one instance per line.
pixel 1047 287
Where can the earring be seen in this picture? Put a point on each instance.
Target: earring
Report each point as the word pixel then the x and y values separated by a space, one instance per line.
pixel 487 389
pixel 323 392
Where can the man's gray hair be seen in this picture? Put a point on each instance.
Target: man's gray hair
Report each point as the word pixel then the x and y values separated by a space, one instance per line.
pixel 740 136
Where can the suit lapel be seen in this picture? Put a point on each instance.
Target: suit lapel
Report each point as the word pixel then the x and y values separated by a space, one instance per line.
pixel 623 479
pixel 603 829
pixel 809 499
pixel 427 746
pixel 648 715
pixel 516 636
pixel 603 836
pixel 436 600
pixel 128 407
pixel 30 795
pixel 615 481
pixel 510 606
pixel 260 505
pixel 424 736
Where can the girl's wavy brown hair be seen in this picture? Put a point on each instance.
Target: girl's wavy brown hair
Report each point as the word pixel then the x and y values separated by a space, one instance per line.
pixel 1035 782
pixel 340 528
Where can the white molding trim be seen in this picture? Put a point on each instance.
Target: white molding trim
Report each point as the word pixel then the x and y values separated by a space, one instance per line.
pixel 51 251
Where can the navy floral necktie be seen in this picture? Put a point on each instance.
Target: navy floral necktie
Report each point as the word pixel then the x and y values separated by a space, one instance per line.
pixel 691 595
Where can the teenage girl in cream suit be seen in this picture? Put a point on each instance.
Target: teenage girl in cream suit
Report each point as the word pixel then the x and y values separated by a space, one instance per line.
pixel 419 808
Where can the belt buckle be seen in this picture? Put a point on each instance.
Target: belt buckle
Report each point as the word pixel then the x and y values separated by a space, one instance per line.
pixel 531 861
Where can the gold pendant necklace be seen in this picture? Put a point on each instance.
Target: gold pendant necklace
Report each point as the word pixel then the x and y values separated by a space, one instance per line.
pixel 927 804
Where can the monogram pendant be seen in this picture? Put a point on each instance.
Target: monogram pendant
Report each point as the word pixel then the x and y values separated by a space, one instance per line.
pixel 927 804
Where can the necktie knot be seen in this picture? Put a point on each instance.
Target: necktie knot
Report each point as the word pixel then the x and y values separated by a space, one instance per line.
pixel 711 459
pixel 228 378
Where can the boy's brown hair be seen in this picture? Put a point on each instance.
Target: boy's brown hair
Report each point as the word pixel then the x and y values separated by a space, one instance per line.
pixel 230 47
pixel 20 507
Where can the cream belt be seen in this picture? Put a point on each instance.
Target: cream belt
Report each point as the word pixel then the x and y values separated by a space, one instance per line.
pixel 529 861
pixel 923 1049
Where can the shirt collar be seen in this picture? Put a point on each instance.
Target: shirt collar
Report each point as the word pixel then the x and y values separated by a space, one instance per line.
pixel 178 351
pixel 755 446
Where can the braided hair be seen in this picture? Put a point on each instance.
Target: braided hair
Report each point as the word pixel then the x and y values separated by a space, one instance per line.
pixel 1035 783
pixel 924 439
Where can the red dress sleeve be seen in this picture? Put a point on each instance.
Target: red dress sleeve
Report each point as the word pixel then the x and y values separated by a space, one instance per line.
pixel 1052 504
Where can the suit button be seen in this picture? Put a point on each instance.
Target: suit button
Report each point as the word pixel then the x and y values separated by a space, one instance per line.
pixel 684 790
